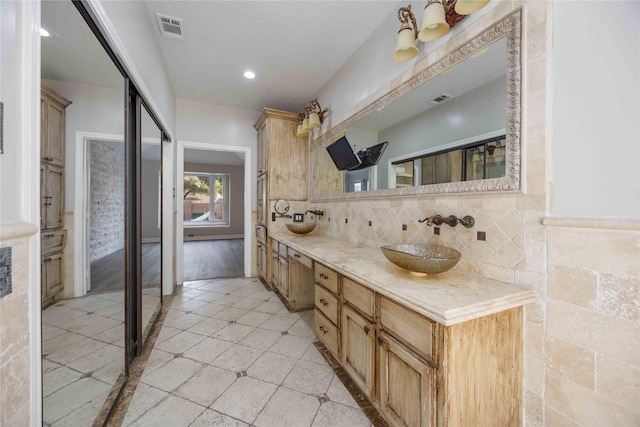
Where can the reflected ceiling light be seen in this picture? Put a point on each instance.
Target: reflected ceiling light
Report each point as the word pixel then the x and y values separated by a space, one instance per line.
pixel 480 52
pixel 437 18
pixel 249 75
pixel 44 33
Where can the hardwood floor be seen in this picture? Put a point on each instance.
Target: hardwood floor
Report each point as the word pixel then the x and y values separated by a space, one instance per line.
pixel 211 259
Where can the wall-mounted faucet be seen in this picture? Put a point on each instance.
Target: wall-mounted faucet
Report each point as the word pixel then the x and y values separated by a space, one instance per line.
pixel 318 213
pixel 450 220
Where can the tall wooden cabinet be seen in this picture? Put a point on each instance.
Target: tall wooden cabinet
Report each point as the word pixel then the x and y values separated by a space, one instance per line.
pixel 283 161
pixel 52 140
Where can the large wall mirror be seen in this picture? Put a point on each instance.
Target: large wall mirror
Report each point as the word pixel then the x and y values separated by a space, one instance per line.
pixel 453 127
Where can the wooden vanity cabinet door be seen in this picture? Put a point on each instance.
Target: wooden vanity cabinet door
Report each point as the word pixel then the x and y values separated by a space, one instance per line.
pixel 407 386
pixel 358 347
pixel 283 276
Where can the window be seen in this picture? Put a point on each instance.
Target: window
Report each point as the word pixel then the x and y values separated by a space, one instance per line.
pixel 478 160
pixel 206 199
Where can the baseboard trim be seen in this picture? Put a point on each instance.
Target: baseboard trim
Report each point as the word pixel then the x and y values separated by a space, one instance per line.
pixel 224 237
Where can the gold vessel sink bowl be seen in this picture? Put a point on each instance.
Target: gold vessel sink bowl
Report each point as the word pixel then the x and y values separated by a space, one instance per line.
pixel 422 259
pixel 301 227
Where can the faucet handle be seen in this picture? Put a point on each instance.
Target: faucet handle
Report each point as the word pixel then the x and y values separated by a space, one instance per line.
pixel 468 221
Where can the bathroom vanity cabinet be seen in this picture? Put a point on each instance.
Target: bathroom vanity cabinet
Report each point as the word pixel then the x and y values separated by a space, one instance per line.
pixel 292 276
pixel 439 351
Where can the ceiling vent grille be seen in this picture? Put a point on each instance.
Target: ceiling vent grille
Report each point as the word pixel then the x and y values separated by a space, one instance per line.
pixel 170 27
pixel 441 98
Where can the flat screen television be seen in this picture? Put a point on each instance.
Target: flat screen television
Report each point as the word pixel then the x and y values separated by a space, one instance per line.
pixel 342 154
pixel 371 156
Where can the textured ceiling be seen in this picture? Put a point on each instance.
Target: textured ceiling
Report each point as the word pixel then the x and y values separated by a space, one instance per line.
pixel 294 47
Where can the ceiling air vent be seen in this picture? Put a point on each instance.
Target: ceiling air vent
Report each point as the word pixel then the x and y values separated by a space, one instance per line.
pixel 441 98
pixel 170 27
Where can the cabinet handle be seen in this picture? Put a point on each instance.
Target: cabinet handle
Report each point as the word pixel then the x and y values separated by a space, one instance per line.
pixel 380 341
pixel 47 260
pixel 323 330
pixel 48 236
pixel 324 302
pixel 323 277
pixel 296 255
pixel 366 330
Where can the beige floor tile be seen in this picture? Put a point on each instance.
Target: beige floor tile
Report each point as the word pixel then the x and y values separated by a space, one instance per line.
pixel 333 414
pixel 58 378
pixel 97 359
pixel 288 408
pixel 58 315
pixel 270 307
pixel 244 292
pixel 180 343
pixel 91 324
pixel 313 355
pixel 48 366
pixel 278 323
pixel 60 341
pixel 207 350
pixel 187 305
pixel 230 313
pixel 172 374
pixel 238 358
pixel 233 332
pixel 248 303
pixel 302 329
pixel 254 318
pixel 144 398
pixel 338 393
pixel 49 332
pixel 284 312
pixel 173 411
pixel 308 377
pixel 186 321
pixel 261 339
pixel 228 300
pixel 156 359
pixel 261 294
pixel 110 373
pixel 85 415
pixel 206 296
pixel 173 314
pixel 167 332
pixel 114 335
pixel 272 367
pixel 208 327
pixel 66 400
pixel 210 309
pixel 244 399
pixel 207 385
pixel 291 345
pixel 76 351
pixel 211 418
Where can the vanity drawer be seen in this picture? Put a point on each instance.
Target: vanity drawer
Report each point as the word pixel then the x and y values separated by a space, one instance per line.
pixel 358 296
pixel 327 332
pixel 326 277
pixel 301 258
pixel 53 241
pixel 409 327
pixel 327 303
pixel 274 246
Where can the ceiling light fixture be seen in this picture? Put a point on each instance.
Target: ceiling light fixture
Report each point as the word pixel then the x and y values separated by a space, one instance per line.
pixel 437 18
pixel 44 33
pixel 249 75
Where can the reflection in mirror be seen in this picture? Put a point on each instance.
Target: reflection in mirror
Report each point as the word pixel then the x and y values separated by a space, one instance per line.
pixel 454 127
pixel 151 213
pixel 83 330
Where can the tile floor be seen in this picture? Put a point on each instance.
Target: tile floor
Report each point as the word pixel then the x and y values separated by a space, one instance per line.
pixel 230 354
pixel 83 354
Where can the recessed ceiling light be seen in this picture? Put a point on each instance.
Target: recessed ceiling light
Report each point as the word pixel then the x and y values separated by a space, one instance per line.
pixel 249 74
pixel 44 33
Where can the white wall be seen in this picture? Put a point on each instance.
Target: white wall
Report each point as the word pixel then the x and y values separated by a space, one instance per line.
pixel 595 133
pixel 214 124
pixel 131 26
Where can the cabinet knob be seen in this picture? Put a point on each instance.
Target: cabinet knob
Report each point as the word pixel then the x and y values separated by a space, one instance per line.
pixel 324 302
pixel 323 330
pixel 380 341
pixel 366 330
pixel 296 255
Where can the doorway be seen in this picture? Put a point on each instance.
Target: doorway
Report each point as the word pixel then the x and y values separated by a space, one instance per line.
pixel 213 236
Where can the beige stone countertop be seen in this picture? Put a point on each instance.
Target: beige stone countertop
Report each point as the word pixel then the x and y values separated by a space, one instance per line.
pixel 448 298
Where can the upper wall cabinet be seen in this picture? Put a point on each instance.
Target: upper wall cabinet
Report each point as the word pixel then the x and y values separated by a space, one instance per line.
pixel 452 127
pixel 282 156
pixel 52 131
